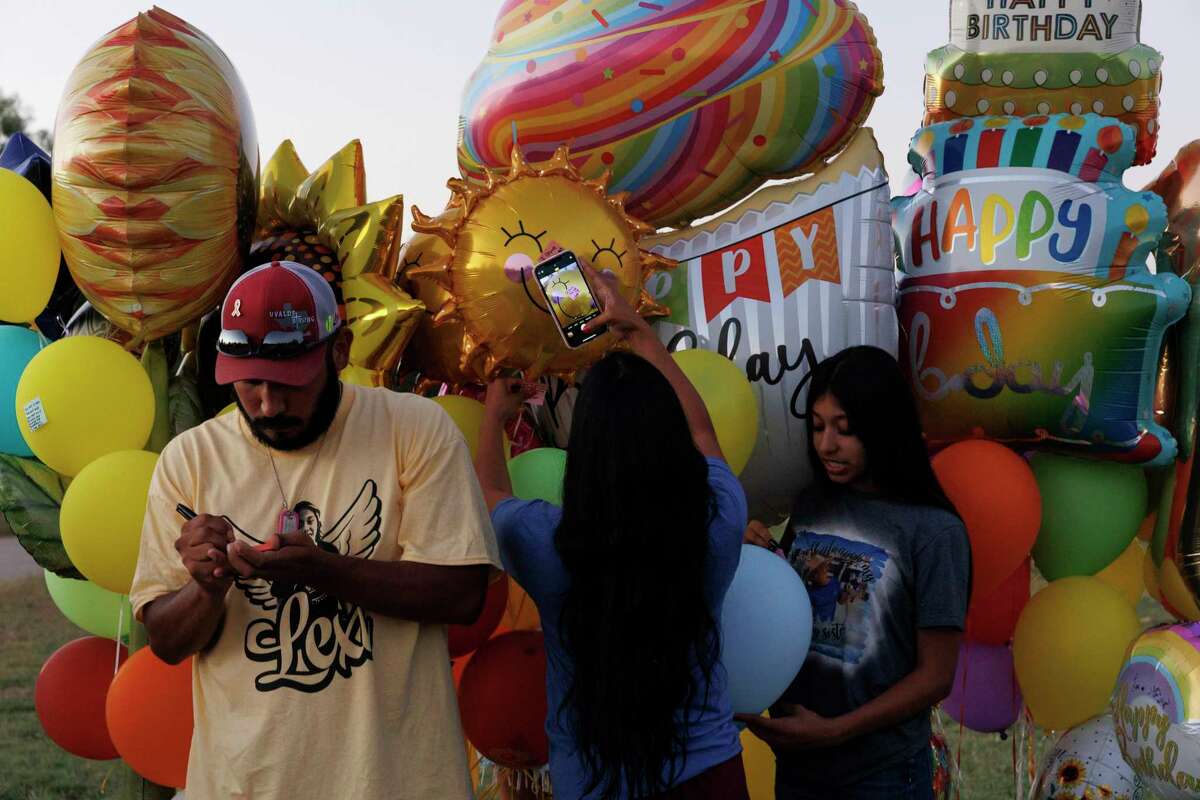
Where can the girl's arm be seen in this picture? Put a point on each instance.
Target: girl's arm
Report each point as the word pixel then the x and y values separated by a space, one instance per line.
pixel 503 402
pixel 793 727
pixel 627 325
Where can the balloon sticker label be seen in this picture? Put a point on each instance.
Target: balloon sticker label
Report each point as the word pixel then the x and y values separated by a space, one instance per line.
pixel 1028 311
pixel 35 414
pixel 795 273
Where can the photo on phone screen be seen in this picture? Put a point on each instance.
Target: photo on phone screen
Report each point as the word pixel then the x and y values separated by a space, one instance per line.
pixel 571 300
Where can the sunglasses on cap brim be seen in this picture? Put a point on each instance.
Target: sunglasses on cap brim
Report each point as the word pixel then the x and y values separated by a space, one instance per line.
pixel 276 345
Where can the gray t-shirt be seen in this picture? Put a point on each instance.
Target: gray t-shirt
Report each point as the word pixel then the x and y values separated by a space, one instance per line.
pixel 876 572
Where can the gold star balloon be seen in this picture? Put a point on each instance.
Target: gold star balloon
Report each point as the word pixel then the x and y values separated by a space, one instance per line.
pixel 323 220
pixel 487 312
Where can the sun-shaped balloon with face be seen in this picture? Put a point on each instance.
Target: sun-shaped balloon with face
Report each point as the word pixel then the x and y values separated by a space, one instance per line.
pixel 481 253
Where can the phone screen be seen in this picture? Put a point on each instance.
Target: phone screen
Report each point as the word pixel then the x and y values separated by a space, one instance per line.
pixel 569 296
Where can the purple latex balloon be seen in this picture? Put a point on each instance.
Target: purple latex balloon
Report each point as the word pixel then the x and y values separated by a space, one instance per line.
pixel 985 696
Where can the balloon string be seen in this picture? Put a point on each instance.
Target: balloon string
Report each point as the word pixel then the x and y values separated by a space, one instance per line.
pixel 120 627
pixel 962 715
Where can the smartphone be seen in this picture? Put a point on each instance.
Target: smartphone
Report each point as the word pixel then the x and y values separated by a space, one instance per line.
pixel 570 298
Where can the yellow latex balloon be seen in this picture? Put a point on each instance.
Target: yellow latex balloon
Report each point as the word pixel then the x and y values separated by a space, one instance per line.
pixel 1069 646
pixel 1175 592
pixel 468 416
pixel 96 399
pixel 1125 574
pixel 101 517
pixel 730 401
pixel 28 249
pixel 759 762
pixel 493 237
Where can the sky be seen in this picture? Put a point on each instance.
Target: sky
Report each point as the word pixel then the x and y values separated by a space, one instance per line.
pixel 391 73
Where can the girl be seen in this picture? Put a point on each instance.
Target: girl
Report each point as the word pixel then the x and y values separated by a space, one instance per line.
pixel 629 576
pixel 886 561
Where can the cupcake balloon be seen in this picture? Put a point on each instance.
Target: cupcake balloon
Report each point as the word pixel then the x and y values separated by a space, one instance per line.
pixel 690 104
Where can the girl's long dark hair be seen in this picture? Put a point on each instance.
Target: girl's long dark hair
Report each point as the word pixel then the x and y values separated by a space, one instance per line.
pixel 634 540
pixel 871 388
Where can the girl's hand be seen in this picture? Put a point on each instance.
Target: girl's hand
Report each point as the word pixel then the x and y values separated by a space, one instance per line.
pixel 616 312
pixel 758 535
pixel 794 728
pixel 504 399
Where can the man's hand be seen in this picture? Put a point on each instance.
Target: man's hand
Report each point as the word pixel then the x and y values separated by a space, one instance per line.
pixel 794 728
pixel 290 558
pixel 504 399
pixel 202 546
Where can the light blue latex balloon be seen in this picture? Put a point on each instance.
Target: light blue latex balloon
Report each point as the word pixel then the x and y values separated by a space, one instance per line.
pixel 766 628
pixel 18 346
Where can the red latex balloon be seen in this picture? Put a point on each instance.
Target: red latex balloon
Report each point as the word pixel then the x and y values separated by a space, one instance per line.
pixel 466 638
pixel 150 717
pixel 502 699
pixel 69 696
pixel 997 496
pixel 991 620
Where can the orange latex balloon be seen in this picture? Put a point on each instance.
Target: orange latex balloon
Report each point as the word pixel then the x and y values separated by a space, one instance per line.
pixel 494 235
pixel 502 699
pixel 991 619
pixel 1146 529
pixel 464 639
pixel 149 713
pixel 155 174
pixel 69 696
pixel 997 496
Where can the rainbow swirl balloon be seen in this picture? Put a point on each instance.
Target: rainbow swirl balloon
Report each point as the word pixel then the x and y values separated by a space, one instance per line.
pixel 691 105
pixel 1156 707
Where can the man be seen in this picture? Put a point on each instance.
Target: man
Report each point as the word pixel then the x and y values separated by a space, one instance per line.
pixel 341 530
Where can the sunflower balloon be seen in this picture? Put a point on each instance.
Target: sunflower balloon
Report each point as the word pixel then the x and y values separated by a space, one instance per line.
pixel 473 266
pixel 322 219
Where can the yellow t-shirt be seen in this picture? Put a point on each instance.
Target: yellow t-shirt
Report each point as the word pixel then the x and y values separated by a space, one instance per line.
pixel 303 696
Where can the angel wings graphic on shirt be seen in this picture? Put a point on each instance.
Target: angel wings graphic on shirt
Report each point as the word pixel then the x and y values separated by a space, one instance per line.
pixel 356 533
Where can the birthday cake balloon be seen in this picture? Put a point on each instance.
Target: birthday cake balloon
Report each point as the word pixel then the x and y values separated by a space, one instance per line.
pixel 1029 313
pixel 1027 57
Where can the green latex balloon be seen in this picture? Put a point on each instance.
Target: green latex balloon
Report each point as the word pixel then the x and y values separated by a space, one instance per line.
pixel 1091 511
pixel 538 474
pixel 91 607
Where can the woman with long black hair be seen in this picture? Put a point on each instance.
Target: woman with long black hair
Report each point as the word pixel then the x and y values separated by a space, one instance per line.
pixel 629 576
pixel 887 564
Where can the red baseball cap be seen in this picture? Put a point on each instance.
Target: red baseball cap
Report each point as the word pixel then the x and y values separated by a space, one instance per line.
pixel 272 321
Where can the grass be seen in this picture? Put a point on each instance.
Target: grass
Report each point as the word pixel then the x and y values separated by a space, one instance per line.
pixel 34 768
pixel 31 766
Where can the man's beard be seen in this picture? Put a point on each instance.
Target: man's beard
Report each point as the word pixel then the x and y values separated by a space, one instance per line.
pixel 322 418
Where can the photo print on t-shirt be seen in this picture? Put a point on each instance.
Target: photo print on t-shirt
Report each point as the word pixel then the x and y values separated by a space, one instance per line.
pixel 310 637
pixel 841 576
